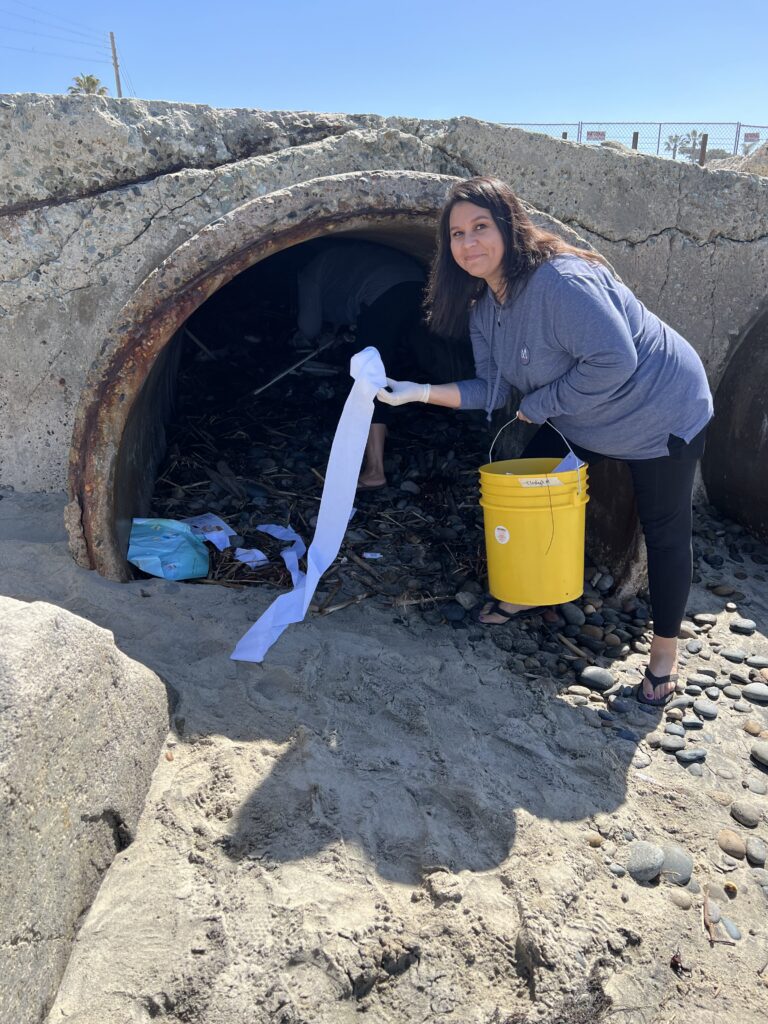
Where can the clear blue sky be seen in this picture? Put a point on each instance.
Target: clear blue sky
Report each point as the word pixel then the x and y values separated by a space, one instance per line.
pixel 501 60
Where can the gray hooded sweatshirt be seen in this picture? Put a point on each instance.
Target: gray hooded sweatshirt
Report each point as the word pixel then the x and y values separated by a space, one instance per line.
pixel 591 359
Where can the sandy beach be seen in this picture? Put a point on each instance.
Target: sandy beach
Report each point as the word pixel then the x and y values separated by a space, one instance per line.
pixel 389 818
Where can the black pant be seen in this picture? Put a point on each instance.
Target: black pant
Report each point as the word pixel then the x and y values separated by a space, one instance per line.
pixel 663 489
pixel 385 325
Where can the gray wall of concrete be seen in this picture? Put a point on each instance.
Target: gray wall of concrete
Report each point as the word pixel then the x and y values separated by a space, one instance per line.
pixel 95 193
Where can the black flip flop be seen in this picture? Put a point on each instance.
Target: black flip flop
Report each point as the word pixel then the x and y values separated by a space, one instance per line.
pixel 495 609
pixel 655 681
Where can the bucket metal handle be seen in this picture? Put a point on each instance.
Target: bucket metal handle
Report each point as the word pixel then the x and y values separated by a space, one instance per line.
pixel 579 485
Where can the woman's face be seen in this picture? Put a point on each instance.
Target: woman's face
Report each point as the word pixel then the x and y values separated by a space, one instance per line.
pixel 476 242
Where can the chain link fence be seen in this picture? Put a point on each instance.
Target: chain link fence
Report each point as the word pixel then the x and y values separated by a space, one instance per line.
pixel 693 141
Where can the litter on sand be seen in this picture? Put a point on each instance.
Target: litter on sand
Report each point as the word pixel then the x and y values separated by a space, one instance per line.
pixel 166 548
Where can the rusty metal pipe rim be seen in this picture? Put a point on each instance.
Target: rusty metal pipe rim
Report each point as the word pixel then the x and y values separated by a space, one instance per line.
pixel 357 201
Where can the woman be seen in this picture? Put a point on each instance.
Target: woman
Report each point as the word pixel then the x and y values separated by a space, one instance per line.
pixel 617 382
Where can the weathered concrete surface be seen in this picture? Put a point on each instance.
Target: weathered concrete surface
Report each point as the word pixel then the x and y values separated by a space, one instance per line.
pixel 132 180
pixel 81 725
pixel 103 477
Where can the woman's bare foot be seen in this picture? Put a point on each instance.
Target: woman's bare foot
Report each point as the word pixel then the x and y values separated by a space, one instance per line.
pixel 496 613
pixel 371 479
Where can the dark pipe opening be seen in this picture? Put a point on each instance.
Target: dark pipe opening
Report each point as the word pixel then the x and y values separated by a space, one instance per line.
pixel 734 462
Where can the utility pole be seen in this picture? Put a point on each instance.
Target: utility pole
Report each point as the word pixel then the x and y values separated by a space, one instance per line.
pixel 115 64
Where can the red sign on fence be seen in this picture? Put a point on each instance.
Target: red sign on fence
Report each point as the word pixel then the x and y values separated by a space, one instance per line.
pixel 751 136
pixel 595 136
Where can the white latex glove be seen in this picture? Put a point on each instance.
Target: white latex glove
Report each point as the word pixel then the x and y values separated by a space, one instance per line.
pixel 403 391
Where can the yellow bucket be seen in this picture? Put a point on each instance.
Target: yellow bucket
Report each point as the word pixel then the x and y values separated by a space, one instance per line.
pixel 534 530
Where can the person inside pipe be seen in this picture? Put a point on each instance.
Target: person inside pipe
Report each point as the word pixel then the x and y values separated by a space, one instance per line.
pixel 552 321
pixel 380 291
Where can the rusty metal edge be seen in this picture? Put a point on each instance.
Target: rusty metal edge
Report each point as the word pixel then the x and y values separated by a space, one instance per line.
pixel 150 319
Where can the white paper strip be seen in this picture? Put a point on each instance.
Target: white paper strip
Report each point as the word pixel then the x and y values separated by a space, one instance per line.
pixel 341 476
pixel 289 555
pixel 212 528
pixel 250 556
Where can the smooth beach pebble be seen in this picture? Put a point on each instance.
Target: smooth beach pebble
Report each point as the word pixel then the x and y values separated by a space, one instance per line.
pixel 691 756
pixel 757 851
pixel 679 702
pixel 745 626
pixel 671 744
pixel 713 910
pixel 746 813
pixel 678 864
pixel 705 619
pixel 753 727
pixel 732 691
pixel 734 654
pixel 759 752
pixel 705 708
pixel 645 860
pixel 756 692
pixel 730 927
pixel 721 797
pixel 730 842
pixel 579 691
pixel 681 899
pixel 596 678
pixel 572 614
pixel 700 679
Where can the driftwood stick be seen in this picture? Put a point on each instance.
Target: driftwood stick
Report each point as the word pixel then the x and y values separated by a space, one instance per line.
pixel 295 366
pixel 574 649
pixel 345 604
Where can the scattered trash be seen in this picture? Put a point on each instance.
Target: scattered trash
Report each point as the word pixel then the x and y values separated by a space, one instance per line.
pixel 676 963
pixel 372 554
pixel 250 556
pixel 212 528
pixel 166 548
pixel 333 517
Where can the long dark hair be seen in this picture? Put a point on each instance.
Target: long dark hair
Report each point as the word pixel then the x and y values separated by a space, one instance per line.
pixel 451 290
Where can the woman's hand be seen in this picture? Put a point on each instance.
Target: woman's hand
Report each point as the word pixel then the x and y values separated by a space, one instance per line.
pixel 522 417
pixel 402 392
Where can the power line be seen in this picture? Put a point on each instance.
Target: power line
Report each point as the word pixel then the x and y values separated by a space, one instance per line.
pixel 51 14
pixel 46 53
pixel 61 39
pixel 61 28
pixel 128 78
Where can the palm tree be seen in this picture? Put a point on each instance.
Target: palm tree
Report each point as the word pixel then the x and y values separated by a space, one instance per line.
pixel 691 145
pixel 87 85
pixel 672 145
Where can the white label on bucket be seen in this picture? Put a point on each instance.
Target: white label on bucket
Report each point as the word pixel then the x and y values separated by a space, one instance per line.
pixel 540 481
pixel 501 533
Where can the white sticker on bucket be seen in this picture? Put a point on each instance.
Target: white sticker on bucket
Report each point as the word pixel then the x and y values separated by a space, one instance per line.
pixel 540 481
pixel 501 533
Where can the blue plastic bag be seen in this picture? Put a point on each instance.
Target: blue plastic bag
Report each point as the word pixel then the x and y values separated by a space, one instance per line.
pixel 163 547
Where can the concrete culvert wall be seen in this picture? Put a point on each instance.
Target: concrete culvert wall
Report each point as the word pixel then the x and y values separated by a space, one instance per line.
pixel 120 425
pixel 151 207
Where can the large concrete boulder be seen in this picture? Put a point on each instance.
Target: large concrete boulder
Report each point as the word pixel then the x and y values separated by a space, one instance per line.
pixel 81 725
